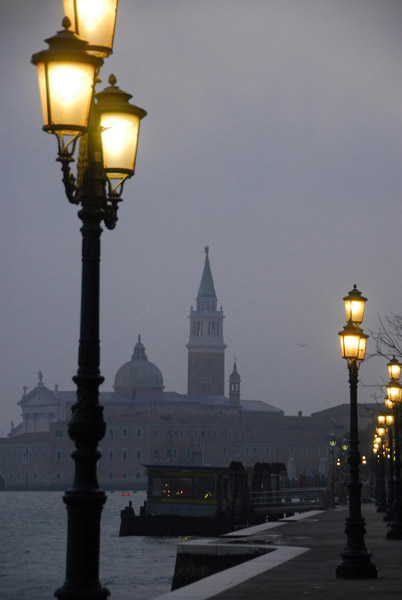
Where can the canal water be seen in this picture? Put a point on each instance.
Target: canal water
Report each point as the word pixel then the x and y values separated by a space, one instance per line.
pixel 33 532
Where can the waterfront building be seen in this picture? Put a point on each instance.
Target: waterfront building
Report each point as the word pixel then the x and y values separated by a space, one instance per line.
pixel 147 425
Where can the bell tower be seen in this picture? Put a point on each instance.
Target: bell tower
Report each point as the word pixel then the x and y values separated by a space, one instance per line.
pixel 206 348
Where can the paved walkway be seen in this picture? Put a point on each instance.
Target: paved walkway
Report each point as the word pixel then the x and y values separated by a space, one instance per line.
pixel 311 549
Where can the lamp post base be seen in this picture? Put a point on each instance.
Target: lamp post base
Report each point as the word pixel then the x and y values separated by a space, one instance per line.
pixel 394 531
pixel 356 565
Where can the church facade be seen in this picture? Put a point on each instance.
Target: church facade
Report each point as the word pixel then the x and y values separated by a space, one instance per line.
pixel 147 425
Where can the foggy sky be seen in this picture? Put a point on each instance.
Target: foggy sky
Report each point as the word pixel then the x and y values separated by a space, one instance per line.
pixel 273 135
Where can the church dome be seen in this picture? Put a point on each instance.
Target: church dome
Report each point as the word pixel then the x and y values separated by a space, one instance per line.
pixel 139 377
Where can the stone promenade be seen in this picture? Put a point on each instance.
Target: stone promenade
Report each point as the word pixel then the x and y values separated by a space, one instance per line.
pixel 303 563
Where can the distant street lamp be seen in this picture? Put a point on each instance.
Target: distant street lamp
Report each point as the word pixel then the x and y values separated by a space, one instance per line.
pixel 381 496
pixel 394 396
pixel 332 444
pixel 108 128
pixel 356 560
pixel 389 421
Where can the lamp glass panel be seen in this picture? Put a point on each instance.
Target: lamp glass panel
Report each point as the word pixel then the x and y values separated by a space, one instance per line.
pixel 119 142
pixel 381 419
pixel 394 393
pixel 95 20
pixel 354 310
pixel 389 420
pixel 350 345
pixel 42 92
pixel 362 348
pixel 70 93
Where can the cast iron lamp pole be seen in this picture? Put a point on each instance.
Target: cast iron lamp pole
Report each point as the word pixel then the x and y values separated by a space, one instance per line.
pixel 394 395
pixel 389 421
pixel 332 444
pixel 356 560
pixel 109 127
pixel 381 500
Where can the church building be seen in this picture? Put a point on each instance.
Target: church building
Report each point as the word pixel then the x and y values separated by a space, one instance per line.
pixel 147 425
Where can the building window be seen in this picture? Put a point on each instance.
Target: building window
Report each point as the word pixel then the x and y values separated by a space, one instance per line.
pixel 110 454
pixel 155 432
pixel 110 475
pixel 138 474
pixel 139 432
pixel 58 433
pixel 58 475
pixel 124 432
pixel 291 450
pixel 316 451
pixel 188 453
pixel 124 475
pixel 138 453
pixel 168 453
pixel 304 471
pixel 124 454
pixel 267 451
pixel 254 450
pixel 111 433
pixel 304 451
pixel 224 451
pixel 174 453
pixel 157 453
pixel 58 455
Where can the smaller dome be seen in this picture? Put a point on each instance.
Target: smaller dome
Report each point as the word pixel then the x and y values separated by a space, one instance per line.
pixel 139 377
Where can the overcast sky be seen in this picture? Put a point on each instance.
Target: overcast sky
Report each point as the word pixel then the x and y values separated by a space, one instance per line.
pixel 273 135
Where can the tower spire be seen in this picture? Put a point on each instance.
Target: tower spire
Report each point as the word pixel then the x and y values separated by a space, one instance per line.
pixel 234 385
pixel 206 348
pixel 207 289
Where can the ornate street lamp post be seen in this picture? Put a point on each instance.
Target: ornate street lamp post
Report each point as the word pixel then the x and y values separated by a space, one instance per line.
pixel 394 396
pixel 332 444
pixel 381 499
pixel 389 421
pixel 356 560
pixel 108 127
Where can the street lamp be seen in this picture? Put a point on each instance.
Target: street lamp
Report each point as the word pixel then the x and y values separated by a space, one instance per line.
pixel 356 560
pixel 94 21
pixel 389 421
pixel 354 306
pixel 394 396
pixel 381 496
pixel 332 444
pixel 107 126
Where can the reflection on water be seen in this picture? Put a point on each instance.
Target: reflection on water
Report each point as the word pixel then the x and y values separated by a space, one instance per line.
pixel 33 529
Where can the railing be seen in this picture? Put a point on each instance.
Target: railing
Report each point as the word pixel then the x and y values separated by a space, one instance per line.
pixel 295 499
